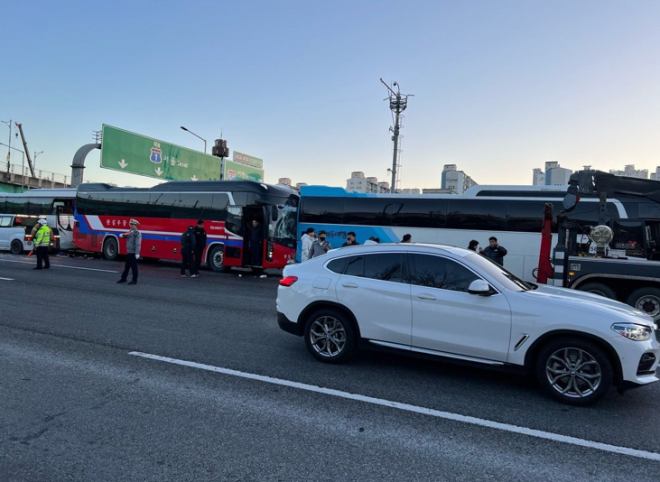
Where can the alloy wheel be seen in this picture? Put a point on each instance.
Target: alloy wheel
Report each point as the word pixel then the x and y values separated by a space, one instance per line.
pixel 328 336
pixel 573 372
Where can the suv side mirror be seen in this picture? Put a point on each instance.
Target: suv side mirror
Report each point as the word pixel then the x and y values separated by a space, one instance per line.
pixel 480 287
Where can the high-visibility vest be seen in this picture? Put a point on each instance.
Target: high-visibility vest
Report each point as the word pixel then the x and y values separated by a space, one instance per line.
pixel 43 237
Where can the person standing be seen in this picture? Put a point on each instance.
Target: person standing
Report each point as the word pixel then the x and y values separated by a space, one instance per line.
pixel 200 244
pixel 369 241
pixel 188 245
pixel 133 245
pixel 474 245
pixel 350 240
pixel 42 243
pixel 256 243
pixel 320 246
pixel 407 238
pixel 307 241
pixel 494 251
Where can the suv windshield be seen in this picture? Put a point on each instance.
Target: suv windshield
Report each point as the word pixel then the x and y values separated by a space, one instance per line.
pixel 498 273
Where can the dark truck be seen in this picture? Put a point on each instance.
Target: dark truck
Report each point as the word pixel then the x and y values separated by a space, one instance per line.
pixel 619 258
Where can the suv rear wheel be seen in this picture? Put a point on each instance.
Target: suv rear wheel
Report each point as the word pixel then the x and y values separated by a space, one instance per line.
pixel 574 371
pixel 330 337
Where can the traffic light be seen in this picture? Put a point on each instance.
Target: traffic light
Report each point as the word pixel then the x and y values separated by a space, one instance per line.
pixel 220 149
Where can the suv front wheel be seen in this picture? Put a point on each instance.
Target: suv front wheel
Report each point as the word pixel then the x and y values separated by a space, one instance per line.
pixel 330 337
pixel 574 371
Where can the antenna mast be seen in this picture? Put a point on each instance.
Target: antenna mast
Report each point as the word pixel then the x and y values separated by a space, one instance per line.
pixel 398 103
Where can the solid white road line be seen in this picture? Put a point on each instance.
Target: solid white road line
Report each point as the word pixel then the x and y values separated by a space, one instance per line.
pixel 7 279
pixel 642 454
pixel 60 266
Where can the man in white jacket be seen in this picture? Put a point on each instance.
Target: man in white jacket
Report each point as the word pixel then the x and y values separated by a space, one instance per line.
pixel 307 241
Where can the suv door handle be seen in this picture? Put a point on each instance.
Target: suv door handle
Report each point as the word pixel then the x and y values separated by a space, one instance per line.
pixel 426 296
pixel 349 285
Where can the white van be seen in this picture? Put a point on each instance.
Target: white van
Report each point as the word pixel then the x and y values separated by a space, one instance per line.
pixel 13 234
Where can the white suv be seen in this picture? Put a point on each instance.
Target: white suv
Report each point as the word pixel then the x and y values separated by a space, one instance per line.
pixel 454 303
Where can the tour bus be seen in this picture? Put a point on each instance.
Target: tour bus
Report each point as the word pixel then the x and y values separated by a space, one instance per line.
pixel 167 210
pixel 513 214
pixel 19 212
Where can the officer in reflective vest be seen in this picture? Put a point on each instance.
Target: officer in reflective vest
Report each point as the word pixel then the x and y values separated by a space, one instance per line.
pixel 42 243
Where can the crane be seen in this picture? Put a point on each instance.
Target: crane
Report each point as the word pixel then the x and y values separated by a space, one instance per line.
pixel 27 152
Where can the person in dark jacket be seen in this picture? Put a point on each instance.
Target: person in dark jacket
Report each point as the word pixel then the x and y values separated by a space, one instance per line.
pixel 494 251
pixel 256 242
pixel 350 240
pixel 188 252
pixel 200 244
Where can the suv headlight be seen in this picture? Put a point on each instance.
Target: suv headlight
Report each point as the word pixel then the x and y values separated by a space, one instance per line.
pixel 632 331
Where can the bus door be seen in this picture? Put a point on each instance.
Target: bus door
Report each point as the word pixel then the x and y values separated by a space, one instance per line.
pixel 64 222
pixel 258 214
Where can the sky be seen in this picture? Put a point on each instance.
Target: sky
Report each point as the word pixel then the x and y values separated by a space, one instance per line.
pixel 500 87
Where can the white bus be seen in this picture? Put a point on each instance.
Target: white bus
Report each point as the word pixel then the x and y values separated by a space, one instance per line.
pixel 513 214
pixel 19 212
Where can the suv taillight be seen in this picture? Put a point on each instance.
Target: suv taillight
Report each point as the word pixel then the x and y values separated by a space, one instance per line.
pixel 288 281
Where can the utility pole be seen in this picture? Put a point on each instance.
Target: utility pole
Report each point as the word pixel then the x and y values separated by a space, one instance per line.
pixel 9 150
pixel 398 103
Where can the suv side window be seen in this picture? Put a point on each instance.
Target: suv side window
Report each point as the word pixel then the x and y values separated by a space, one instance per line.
pixel 355 266
pixel 5 221
pixel 383 266
pixel 338 265
pixel 438 272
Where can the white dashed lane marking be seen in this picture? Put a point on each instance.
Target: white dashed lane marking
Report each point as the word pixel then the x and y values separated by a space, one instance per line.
pixel 455 417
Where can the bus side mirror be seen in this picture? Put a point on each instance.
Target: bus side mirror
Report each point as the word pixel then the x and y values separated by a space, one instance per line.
pixel 570 201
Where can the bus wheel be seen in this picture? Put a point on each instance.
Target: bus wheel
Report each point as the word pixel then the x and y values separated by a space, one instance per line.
pixel 216 259
pixel 110 249
pixel 646 300
pixel 598 289
pixel 16 247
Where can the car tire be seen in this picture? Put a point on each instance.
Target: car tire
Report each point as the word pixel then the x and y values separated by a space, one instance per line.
pixel 648 301
pixel 110 249
pixel 216 260
pixel 16 247
pixel 598 289
pixel 330 336
pixel 588 371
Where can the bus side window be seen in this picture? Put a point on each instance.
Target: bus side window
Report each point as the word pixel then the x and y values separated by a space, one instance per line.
pixel 479 215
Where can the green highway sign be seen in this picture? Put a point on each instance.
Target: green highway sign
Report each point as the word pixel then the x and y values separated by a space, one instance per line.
pixel 129 152
pixel 233 171
pixel 248 160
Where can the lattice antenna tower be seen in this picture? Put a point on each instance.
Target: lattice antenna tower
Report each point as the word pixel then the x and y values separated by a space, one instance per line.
pixel 398 103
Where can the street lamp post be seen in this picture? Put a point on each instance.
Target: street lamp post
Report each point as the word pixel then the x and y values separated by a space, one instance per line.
pixel 35 159
pixel 188 130
pixel 9 151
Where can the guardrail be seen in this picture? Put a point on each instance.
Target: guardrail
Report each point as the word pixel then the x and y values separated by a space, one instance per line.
pixel 21 176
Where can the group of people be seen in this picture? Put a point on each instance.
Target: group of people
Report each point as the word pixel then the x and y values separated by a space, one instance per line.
pixel 493 251
pixel 314 245
pixel 193 242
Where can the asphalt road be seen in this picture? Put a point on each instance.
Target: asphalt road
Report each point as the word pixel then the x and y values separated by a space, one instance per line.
pixel 76 404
